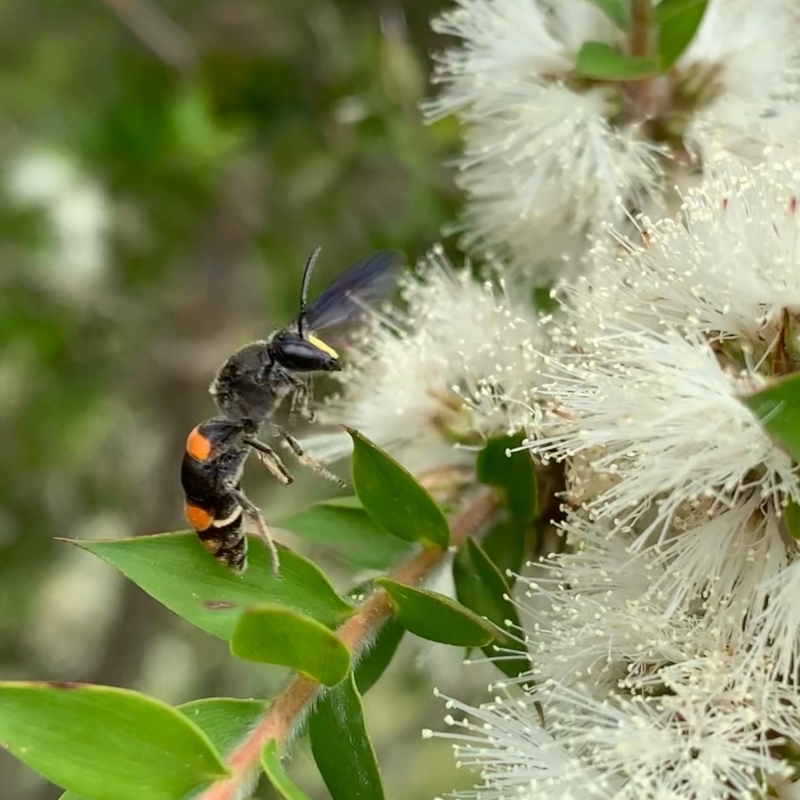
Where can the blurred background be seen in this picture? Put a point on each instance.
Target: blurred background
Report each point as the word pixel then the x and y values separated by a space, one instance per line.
pixel 166 167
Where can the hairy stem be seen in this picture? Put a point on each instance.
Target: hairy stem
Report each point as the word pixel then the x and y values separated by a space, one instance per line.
pixel 288 708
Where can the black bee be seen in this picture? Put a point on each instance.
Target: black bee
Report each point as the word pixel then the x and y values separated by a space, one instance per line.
pixel 249 388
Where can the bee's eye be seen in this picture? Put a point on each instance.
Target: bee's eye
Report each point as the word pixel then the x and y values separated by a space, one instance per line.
pixel 300 354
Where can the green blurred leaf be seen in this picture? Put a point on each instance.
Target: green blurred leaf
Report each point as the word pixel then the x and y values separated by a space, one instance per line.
pixel 273 769
pixel 543 300
pixel 349 531
pixel 224 720
pixel 105 743
pixel 275 635
pixel 342 747
pixel 374 662
pixel 480 586
pixel 512 472
pixel 436 617
pixel 178 572
pixel 198 135
pixel 618 11
pixel 505 546
pixel 601 61
pixel 778 409
pixel 393 498
pixel 791 516
pixel 677 22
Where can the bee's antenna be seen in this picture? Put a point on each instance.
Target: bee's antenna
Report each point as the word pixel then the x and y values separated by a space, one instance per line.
pixel 312 260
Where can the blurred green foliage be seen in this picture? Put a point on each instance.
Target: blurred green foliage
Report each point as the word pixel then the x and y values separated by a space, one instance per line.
pixel 165 169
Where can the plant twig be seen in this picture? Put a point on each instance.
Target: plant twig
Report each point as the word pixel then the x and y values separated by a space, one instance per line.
pixel 288 709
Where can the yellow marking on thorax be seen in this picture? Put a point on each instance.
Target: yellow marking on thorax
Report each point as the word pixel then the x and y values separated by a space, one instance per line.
pixel 326 348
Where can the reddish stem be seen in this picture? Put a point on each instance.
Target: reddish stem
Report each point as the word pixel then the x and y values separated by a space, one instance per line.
pixel 289 707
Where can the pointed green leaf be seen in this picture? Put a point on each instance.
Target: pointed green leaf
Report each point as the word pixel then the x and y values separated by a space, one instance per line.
pixel 276 635
pixel 505 546
pixel 677 22
pixel 618 11
pixel 374 662
pixel 481 587
pixel 342 747
pixel 393 498
pixel 174 568
pixel 601 61
pixel 349 531
pixel 105 743
pixel 501 464
pixel 225 721
pixel 436 617
pixel 778 409
pixel 273 769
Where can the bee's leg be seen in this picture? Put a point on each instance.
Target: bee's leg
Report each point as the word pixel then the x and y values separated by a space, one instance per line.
pixel 254 513
pixel 302 401
pixel 305 459
pixel 270 459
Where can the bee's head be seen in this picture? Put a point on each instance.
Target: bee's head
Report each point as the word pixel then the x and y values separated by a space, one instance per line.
pixel 300 354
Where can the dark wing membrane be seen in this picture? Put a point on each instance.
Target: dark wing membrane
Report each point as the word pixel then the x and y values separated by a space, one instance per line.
pixel 366 282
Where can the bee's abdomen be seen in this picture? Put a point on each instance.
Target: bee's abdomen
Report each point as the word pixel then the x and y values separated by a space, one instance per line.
pixel 225 539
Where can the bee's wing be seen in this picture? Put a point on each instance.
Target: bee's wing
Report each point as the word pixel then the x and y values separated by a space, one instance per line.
pixel 366 282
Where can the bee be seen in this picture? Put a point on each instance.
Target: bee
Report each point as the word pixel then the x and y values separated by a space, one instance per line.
pixel 248 390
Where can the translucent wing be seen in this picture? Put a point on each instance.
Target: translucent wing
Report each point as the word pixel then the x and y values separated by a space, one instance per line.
pixel 366 282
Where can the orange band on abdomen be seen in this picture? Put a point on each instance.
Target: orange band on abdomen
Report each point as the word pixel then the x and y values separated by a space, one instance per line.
pixel 198 517
pixel 197 446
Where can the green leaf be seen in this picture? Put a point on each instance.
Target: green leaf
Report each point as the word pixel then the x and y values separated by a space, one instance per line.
pixel 505 546
pixel 347 530
pixel 778 409
pixel 342 747
pixel 791 516
pixel 174 568
pixel 374 662
pixel 273 769
pixel 276 635
pixel 105 743
pixel 677 22
pixel 351 501
pixel 481 587
pixel 543 300
pixel 601 61
pixel 511 471
pixel 618 11
pixel 393 498
pixel 225 721
pixel 436 617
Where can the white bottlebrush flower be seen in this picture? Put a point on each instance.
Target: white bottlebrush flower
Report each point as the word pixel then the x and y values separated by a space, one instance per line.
pixel 77 212
pixel 726 268
pixel 550 156
pixel 749 53
pixel 664 418
pixel 706 730
pixel 776 628
pixel 455 366
pixel 540 157
pixel 603 614
pixel 591 620
pixel 656 347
